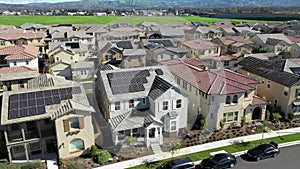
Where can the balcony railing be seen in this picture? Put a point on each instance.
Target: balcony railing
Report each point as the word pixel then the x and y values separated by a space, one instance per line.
pixel 31 135
pixel 15 137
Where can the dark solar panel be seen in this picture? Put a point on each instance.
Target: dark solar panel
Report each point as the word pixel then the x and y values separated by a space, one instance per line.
pixel 33 103
pixel 159 72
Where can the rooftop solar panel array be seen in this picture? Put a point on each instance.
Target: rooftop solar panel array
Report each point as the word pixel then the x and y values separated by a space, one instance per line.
pixel 128 82
pixel 33 103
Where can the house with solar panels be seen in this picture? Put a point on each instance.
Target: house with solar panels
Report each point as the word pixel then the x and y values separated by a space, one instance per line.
pixel 50 119
pixel 144 102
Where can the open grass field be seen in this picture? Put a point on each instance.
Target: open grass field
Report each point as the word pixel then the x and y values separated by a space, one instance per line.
pixel 49 20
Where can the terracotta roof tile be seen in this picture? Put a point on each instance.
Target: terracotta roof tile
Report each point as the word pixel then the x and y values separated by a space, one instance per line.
pixel 24 52
pixel 21 35
pixel 259 101
pixel 217 81
pixel 16 69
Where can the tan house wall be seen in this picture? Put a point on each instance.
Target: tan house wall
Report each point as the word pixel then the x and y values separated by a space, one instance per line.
pixel 64 138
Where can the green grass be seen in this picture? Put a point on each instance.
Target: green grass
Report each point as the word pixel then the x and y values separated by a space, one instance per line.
pixel 49 20
pixel 231 149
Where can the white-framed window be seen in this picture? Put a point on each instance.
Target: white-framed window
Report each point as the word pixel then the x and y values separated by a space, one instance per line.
pixel 76 144
pixel 173 125
pixel 178 80
pixel 165 105
pixel 297 93
pixel 286 91
pixel 185 85
pixel 235 99
pixel 131 103
pixel 268 84
pixel 228 100
pixel 230 117
pixel 296 108
pixel 74 122
pixel 135 130
pixel 2 43
pixel 117 105
pixel 83 72
pixel 178 103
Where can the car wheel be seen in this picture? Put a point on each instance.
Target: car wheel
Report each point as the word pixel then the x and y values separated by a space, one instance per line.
pixel 275 155
pixel 258 159
pixel 231 165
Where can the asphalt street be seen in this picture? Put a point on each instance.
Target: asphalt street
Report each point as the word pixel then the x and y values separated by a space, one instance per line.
pixel 287 159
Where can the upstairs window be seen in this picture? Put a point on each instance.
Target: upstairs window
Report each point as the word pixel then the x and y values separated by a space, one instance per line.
pixel 131 103
pixel 235 99
pixel 228 100
pixel 178 103
pixel 117 105
pixel 165 105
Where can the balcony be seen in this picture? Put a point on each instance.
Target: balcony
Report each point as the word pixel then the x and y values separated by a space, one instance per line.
pixel 15 137
pixel 31 135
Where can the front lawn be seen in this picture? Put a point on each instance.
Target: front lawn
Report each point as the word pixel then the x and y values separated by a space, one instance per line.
pixel 231 149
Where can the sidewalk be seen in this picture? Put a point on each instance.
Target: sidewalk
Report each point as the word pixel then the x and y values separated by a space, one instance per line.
pixel 201 147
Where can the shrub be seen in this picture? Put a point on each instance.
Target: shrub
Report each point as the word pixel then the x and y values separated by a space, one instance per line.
pixel 291 116
pixel 61 162
pixel 102 157
pixel 268 115
pixel 93 150
pixel 222 124
pixel 277 117
pixel 31 165
pixel 243 121
pixel 130 139
pixel 73 166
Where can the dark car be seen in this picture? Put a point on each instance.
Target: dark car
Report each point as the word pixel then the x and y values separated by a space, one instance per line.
pixel 264 151
pixel 219 161
pixel 183 163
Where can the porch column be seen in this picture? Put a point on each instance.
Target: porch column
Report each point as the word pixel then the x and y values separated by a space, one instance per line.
pixel 156 136
pixel 160 135
pixel 26 152
pixel 116 135
pixel 146 138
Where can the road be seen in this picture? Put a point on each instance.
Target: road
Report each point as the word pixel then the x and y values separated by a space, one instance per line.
pixel 287 159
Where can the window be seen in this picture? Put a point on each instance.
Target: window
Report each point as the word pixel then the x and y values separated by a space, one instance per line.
pixel 178 103
pixel 245 94
pixel 83 72
pixel 71 57
pixel 190 88
pixel 2 43
pixel 268 84
pixel 108 57
pixel 296 109
pixel 185 85
pixel 297 93
pixel 135 130
pixel 165 105
pixel 173 125
pixel 131 103
pixel 57 58
pixel 226 63
pixel 14 127
pixel 178 80
pixel 144 101
pixel 74 123
pixel 27 62
pixel 117 105
pixel 286 91
pixel 34 146
pixel 15 63
pixel 235 99
pixel 228 100
pixel 230 117
pixel 275 102
pixel 19 149
pixel 76 144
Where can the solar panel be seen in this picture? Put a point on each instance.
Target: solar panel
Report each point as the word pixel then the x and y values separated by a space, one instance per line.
pixel 23 96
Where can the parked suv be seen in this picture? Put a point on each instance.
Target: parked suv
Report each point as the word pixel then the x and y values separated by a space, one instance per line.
pixel 183 163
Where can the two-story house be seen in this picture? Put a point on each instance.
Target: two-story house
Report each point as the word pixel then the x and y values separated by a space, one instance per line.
pixel 219 95
pixel 279 85
pixel 142 102
pixel 199 48
pixel 51 118
pixel 203 32
pixel 234 45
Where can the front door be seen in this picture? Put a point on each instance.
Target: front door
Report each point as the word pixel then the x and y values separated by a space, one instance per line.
pixel 51 145
pixel 256 114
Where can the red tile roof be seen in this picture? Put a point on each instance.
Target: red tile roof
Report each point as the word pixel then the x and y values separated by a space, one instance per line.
pixel 16 69
pixel 233 39
pixel 199 44
pixel 24 52
pixel 217 81
pixel 21 35
pixel 259 101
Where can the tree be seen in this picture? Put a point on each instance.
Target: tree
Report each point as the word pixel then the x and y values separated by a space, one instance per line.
pixel 102 157
pixel 277 117
pixel 93 150
pixel 174 148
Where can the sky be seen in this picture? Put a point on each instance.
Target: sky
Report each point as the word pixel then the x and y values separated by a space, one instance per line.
pixel 33 1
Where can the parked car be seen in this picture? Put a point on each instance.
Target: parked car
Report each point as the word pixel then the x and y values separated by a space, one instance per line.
pixel 264 151
pixel 185 163
pixel 219 161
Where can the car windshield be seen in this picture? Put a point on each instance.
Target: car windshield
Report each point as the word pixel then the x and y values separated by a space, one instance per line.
pixel 215 159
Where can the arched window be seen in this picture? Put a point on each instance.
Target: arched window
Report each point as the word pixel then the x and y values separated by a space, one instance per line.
pixel 235 99
pixel 76 144
pixel 228 100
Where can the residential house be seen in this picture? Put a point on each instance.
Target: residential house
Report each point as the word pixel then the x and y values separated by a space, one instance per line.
pixel 203 32
pixel 82 70
pixel 234 45
pixel 23 55
pixel 142 102
pixel 73 36
pixel 278 85
pixel 109 53
pixel 16 78
pixel 219 95
pixel 133 58
pixel 52 118
pixel 295 50
pixel 61 68
pixel 34 27
pixel 221 62
pixel 245 32
pixel 199 48
pixel 263 56
pixel 276 43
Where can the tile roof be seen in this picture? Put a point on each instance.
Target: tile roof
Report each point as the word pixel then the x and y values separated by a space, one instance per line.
pixel 16 69
pixel 24 52
pixel 217 81
pixel 271 70
pixel 21 35
pixel 259 101
pixel 199 44
pixel 233 39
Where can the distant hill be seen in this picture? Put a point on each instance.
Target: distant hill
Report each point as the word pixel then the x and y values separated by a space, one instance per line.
pixel 150 4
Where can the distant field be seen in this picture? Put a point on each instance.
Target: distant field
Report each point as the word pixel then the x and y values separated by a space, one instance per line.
pixel 49 20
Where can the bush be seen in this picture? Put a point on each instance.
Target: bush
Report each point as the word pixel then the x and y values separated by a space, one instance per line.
pixel 93 150
pixel 61 162
pixel 31 165
pixel 73 166
pixel 102 157
pixel 277 117
pixel 291 116
pixel 222 124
